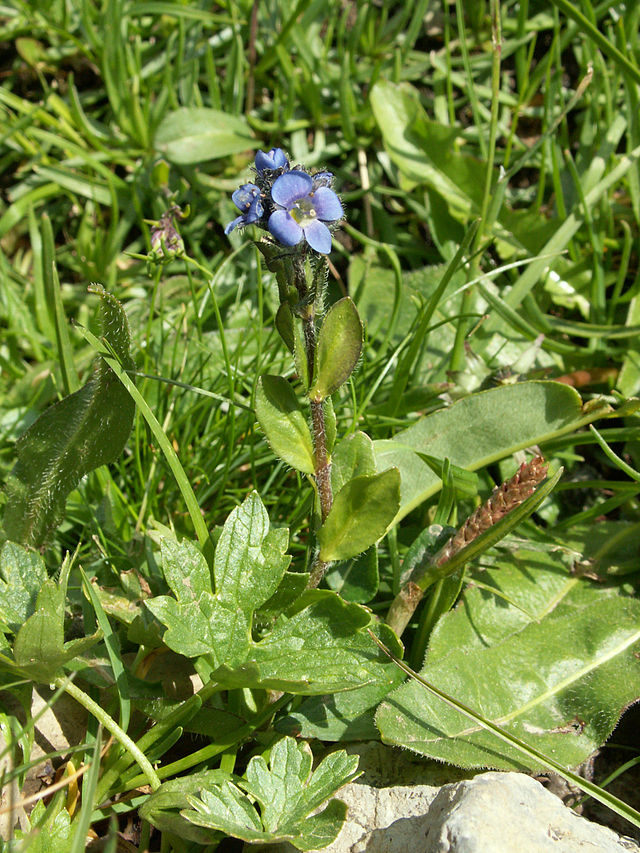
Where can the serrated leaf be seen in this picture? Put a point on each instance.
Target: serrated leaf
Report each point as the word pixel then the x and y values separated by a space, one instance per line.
pixel 348 715
pixel 361 513
pixel 23 573
pixel 284 424
pixel 286 791
pixel 195 134
pixel 249 564
pixel 87 429
pixel 316 647
pixel 559 684
pixel 249 561
pixel 480 429
pixel 162 808
pixel 319 648
pixel 39 649
pixel 339 348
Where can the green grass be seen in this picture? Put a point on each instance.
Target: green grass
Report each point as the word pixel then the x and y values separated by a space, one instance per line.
pixel 510 129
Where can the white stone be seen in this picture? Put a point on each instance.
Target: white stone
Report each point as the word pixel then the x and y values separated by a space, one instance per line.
pixel 491 813
pixel 510 812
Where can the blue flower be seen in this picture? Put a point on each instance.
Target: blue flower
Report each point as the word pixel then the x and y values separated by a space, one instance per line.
pixel 274 159
pixel 247 199
pixel 304 204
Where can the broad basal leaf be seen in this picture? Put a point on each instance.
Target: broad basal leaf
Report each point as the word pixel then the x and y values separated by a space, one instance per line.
pixel 195 134
pixel 480 429
pixel 559 684
pixel 286 792
pixel 87 429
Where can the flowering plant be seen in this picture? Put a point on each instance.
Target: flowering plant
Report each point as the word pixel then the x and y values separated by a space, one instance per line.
pixel 296 207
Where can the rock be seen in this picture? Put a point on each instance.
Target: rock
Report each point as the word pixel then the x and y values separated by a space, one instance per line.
pixel 491 813
pixel 506 812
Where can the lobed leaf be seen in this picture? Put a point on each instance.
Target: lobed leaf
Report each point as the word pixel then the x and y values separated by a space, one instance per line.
pixel 286 792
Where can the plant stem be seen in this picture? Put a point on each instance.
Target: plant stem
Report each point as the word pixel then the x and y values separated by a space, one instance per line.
pixel 113 728
pixel 322 463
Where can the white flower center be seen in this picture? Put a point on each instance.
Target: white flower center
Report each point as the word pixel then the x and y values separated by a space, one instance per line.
pixel 303 212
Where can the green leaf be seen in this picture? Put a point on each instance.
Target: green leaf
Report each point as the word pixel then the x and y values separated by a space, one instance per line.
pixel 250 561
pixel 356 579
pixel 87 429
pixel 317 646
pixel 559 683
pixel 348 715
pixel 162 808
pixel 284 424
pixel 24 573
pixel 339 348
pixel 287 791
pixel 195 134
pixel 424 150
pixel 352 457
pixel 50 830
pixel 39 649
pixel 481 429
pixel 248 567
pixel 361 513
pixel 320 647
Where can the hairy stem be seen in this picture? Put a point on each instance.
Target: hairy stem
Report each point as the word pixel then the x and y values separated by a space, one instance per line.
pixel 322 463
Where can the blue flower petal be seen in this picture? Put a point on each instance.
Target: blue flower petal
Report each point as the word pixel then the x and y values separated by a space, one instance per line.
pixel 327 204
pixel 255 211
pixel 290 187
pixel 318 236
pixel 283 227
pixel 240 220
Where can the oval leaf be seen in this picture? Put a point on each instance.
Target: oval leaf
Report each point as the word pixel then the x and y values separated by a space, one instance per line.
pixel 559 685
pixel 361 512
pixel 194 134
pixel 480 429
pixel 87 429
pixel 339 348
pixel 284 424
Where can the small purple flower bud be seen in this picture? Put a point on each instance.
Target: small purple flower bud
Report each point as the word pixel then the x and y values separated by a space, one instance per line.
pixel 165 238
pixel 274 159
pixel 247 199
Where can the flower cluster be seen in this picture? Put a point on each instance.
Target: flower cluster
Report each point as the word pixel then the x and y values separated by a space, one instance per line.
pixel 292 204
